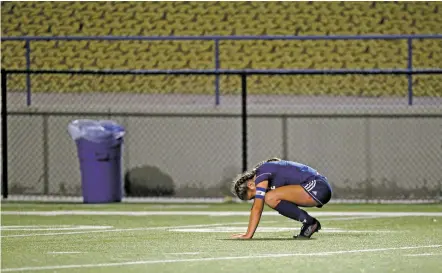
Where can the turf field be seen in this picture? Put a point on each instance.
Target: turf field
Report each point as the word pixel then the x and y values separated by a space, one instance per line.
pixel 194 238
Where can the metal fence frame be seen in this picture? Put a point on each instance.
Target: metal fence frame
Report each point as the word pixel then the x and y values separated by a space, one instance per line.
pixel 242 73
pixel 217 39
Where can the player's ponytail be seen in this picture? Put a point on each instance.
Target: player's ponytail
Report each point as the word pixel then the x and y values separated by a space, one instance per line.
pixel 239 184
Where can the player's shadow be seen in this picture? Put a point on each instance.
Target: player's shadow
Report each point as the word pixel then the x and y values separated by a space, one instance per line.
pixel 268 239
pixel 347 235
pixel 328 235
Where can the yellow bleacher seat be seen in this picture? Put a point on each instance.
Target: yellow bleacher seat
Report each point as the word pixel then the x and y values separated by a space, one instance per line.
pixel 227 18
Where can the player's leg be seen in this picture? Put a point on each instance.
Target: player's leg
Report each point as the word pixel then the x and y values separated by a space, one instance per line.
pixel 286 199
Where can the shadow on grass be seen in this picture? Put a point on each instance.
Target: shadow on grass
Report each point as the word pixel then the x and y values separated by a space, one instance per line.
pixel 323 236
pixel 268 239
pixel 348 235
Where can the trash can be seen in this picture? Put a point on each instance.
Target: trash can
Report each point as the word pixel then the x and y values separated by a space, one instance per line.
pixel 99 148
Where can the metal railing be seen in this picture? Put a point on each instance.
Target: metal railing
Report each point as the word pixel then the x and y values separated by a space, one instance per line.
pixel 217 39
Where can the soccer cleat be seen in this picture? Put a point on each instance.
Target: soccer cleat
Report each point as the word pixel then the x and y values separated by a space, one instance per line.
pixel 308 230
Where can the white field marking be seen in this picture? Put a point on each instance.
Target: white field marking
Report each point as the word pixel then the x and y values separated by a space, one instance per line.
pixel 272 230
pixel 125 229
pixel 180 206
pixel 30 226
pixel 37 228
pixel 37 268
pixel 206 200
pixel 79 199
pixel 352 218
pixel 211 213
pixel 342 218
pixel 423 254
pixel 184 253
pixel 65 252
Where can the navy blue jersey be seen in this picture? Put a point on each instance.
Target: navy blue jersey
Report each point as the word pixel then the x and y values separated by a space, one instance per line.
pixel 282 173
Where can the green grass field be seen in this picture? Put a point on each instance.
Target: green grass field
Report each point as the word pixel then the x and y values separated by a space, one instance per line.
pixel 194 238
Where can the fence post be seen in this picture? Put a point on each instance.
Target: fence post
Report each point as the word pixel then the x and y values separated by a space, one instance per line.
pixel 244 120
pixel 45 155
pixel 126 156
pixel 284 133
pixel 368 160
pixel 217 66
pixel 28 76
pixel 4 122
pixel 410 76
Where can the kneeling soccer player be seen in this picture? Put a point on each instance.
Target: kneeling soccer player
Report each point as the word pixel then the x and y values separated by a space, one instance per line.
pixel 283 185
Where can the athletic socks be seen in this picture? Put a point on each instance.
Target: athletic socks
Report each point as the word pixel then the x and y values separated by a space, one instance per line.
pixel 292 211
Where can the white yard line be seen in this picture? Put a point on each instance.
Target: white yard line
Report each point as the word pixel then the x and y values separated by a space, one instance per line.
pixel 125 229
pixel 352 218
pixel 184 253
pixel 37 268
pixel 326 218
pixel 79 199
pixel 37 226
pixel 53 228
pixel 65 252
pixel 181 206
pixel 211 213
pixel 206 200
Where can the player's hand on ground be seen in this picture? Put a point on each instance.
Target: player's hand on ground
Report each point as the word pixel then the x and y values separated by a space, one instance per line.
pixel 241 236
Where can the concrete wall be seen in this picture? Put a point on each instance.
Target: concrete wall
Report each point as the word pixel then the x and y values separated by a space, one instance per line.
pixel 372 152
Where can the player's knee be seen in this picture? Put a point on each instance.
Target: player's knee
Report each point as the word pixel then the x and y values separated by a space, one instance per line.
pixel 271 199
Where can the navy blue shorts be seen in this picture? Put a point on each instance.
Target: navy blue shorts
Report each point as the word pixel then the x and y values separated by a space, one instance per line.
pixel 318 189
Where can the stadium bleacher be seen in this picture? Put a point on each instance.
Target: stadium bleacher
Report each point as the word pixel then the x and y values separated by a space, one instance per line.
pixel 224 18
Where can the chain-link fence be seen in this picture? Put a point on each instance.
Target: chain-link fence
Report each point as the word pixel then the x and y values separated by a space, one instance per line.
pixel 175 141
pixel 180 144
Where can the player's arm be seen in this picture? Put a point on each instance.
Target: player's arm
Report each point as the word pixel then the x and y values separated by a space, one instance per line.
pixel 256 211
